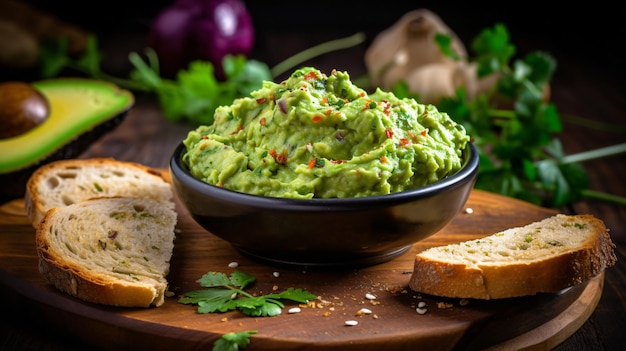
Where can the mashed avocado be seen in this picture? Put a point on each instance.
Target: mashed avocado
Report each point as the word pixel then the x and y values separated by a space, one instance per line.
pixel 318 136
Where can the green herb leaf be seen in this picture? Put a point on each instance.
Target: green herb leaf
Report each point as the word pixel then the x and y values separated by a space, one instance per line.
pixel 233 341
pixel 493 50
pixel 225 293
pixel 520 154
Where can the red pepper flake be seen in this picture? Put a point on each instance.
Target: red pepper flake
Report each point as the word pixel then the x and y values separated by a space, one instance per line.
pixel 312 162
pixel 386 107
pixel 310 75
pixel 328 112
pixel 424 132
pixel 261 100
pixel 389 133
pixel 262 121
pixel 239 127
pixel 367 105
pixel 324 100
pixel 282 158
pixel 205 137
pixel 317 119
pixel 404 141
pixel 271 97
pixel 383 159
pixel 336 162
pixel 412 135
pixel 362 94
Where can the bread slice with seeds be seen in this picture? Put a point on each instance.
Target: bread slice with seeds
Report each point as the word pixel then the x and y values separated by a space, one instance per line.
pixel 66 182
pixel 112 250
pixel 546 256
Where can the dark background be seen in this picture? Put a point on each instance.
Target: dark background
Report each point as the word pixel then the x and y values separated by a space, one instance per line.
pixel 592 33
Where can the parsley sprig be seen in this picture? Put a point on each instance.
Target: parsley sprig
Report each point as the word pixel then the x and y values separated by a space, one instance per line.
pixel 520 153
pixel 226 293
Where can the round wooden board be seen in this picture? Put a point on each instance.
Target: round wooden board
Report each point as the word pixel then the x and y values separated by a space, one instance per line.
pixel 533 322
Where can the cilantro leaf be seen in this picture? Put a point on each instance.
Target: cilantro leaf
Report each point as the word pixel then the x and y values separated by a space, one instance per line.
pixel 233 341
pixel 225 293
pixel 493 50
pixel 241 279
pixel 520 155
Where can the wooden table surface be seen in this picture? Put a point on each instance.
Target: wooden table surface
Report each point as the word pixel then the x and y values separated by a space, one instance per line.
pixel 588 85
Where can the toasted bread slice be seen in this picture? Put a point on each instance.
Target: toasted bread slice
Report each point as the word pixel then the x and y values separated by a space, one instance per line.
pixel 112 250
pixel 545 256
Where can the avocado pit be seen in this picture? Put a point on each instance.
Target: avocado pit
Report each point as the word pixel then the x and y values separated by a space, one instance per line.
pixel 22 108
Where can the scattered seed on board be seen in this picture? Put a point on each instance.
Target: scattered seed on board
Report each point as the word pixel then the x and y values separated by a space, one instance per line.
pixel 421 310
pixel 294 310
pixel 351 322
pixel 233 264
pixel 363 311
pixel 421 304
pixel 276 274
pixel 469 210
pixel 370 296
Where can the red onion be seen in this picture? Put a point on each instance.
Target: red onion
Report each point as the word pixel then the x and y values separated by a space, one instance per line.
pixel 205 30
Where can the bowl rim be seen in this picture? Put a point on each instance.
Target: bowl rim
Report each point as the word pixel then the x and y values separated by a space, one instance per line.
pixel 469 169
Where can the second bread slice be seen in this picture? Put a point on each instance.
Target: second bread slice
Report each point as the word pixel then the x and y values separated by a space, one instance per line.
pixel 545 256
pixel 66 182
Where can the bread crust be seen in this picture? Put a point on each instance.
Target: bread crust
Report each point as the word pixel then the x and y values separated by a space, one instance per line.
pixel 524 277
pixel 35 196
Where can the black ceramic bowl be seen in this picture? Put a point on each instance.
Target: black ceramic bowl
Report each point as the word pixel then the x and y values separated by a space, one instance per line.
pixel 324 232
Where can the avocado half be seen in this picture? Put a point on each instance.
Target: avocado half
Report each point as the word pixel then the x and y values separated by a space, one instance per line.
pixel 81 111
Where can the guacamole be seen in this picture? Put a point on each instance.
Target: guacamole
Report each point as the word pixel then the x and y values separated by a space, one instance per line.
pixel 319 136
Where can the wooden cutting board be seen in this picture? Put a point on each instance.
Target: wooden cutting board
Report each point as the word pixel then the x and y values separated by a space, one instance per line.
pixel 534 322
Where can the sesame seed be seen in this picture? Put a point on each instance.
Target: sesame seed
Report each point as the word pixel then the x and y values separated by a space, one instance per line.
pixel 276 274
pixel 351 322
pixel 233 264
pixel 294 310
pixel 370 296
pixel 469 210
pixel 421 304
pixel 421 310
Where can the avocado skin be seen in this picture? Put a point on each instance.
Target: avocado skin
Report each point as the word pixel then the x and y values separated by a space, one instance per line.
pixel 13 185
